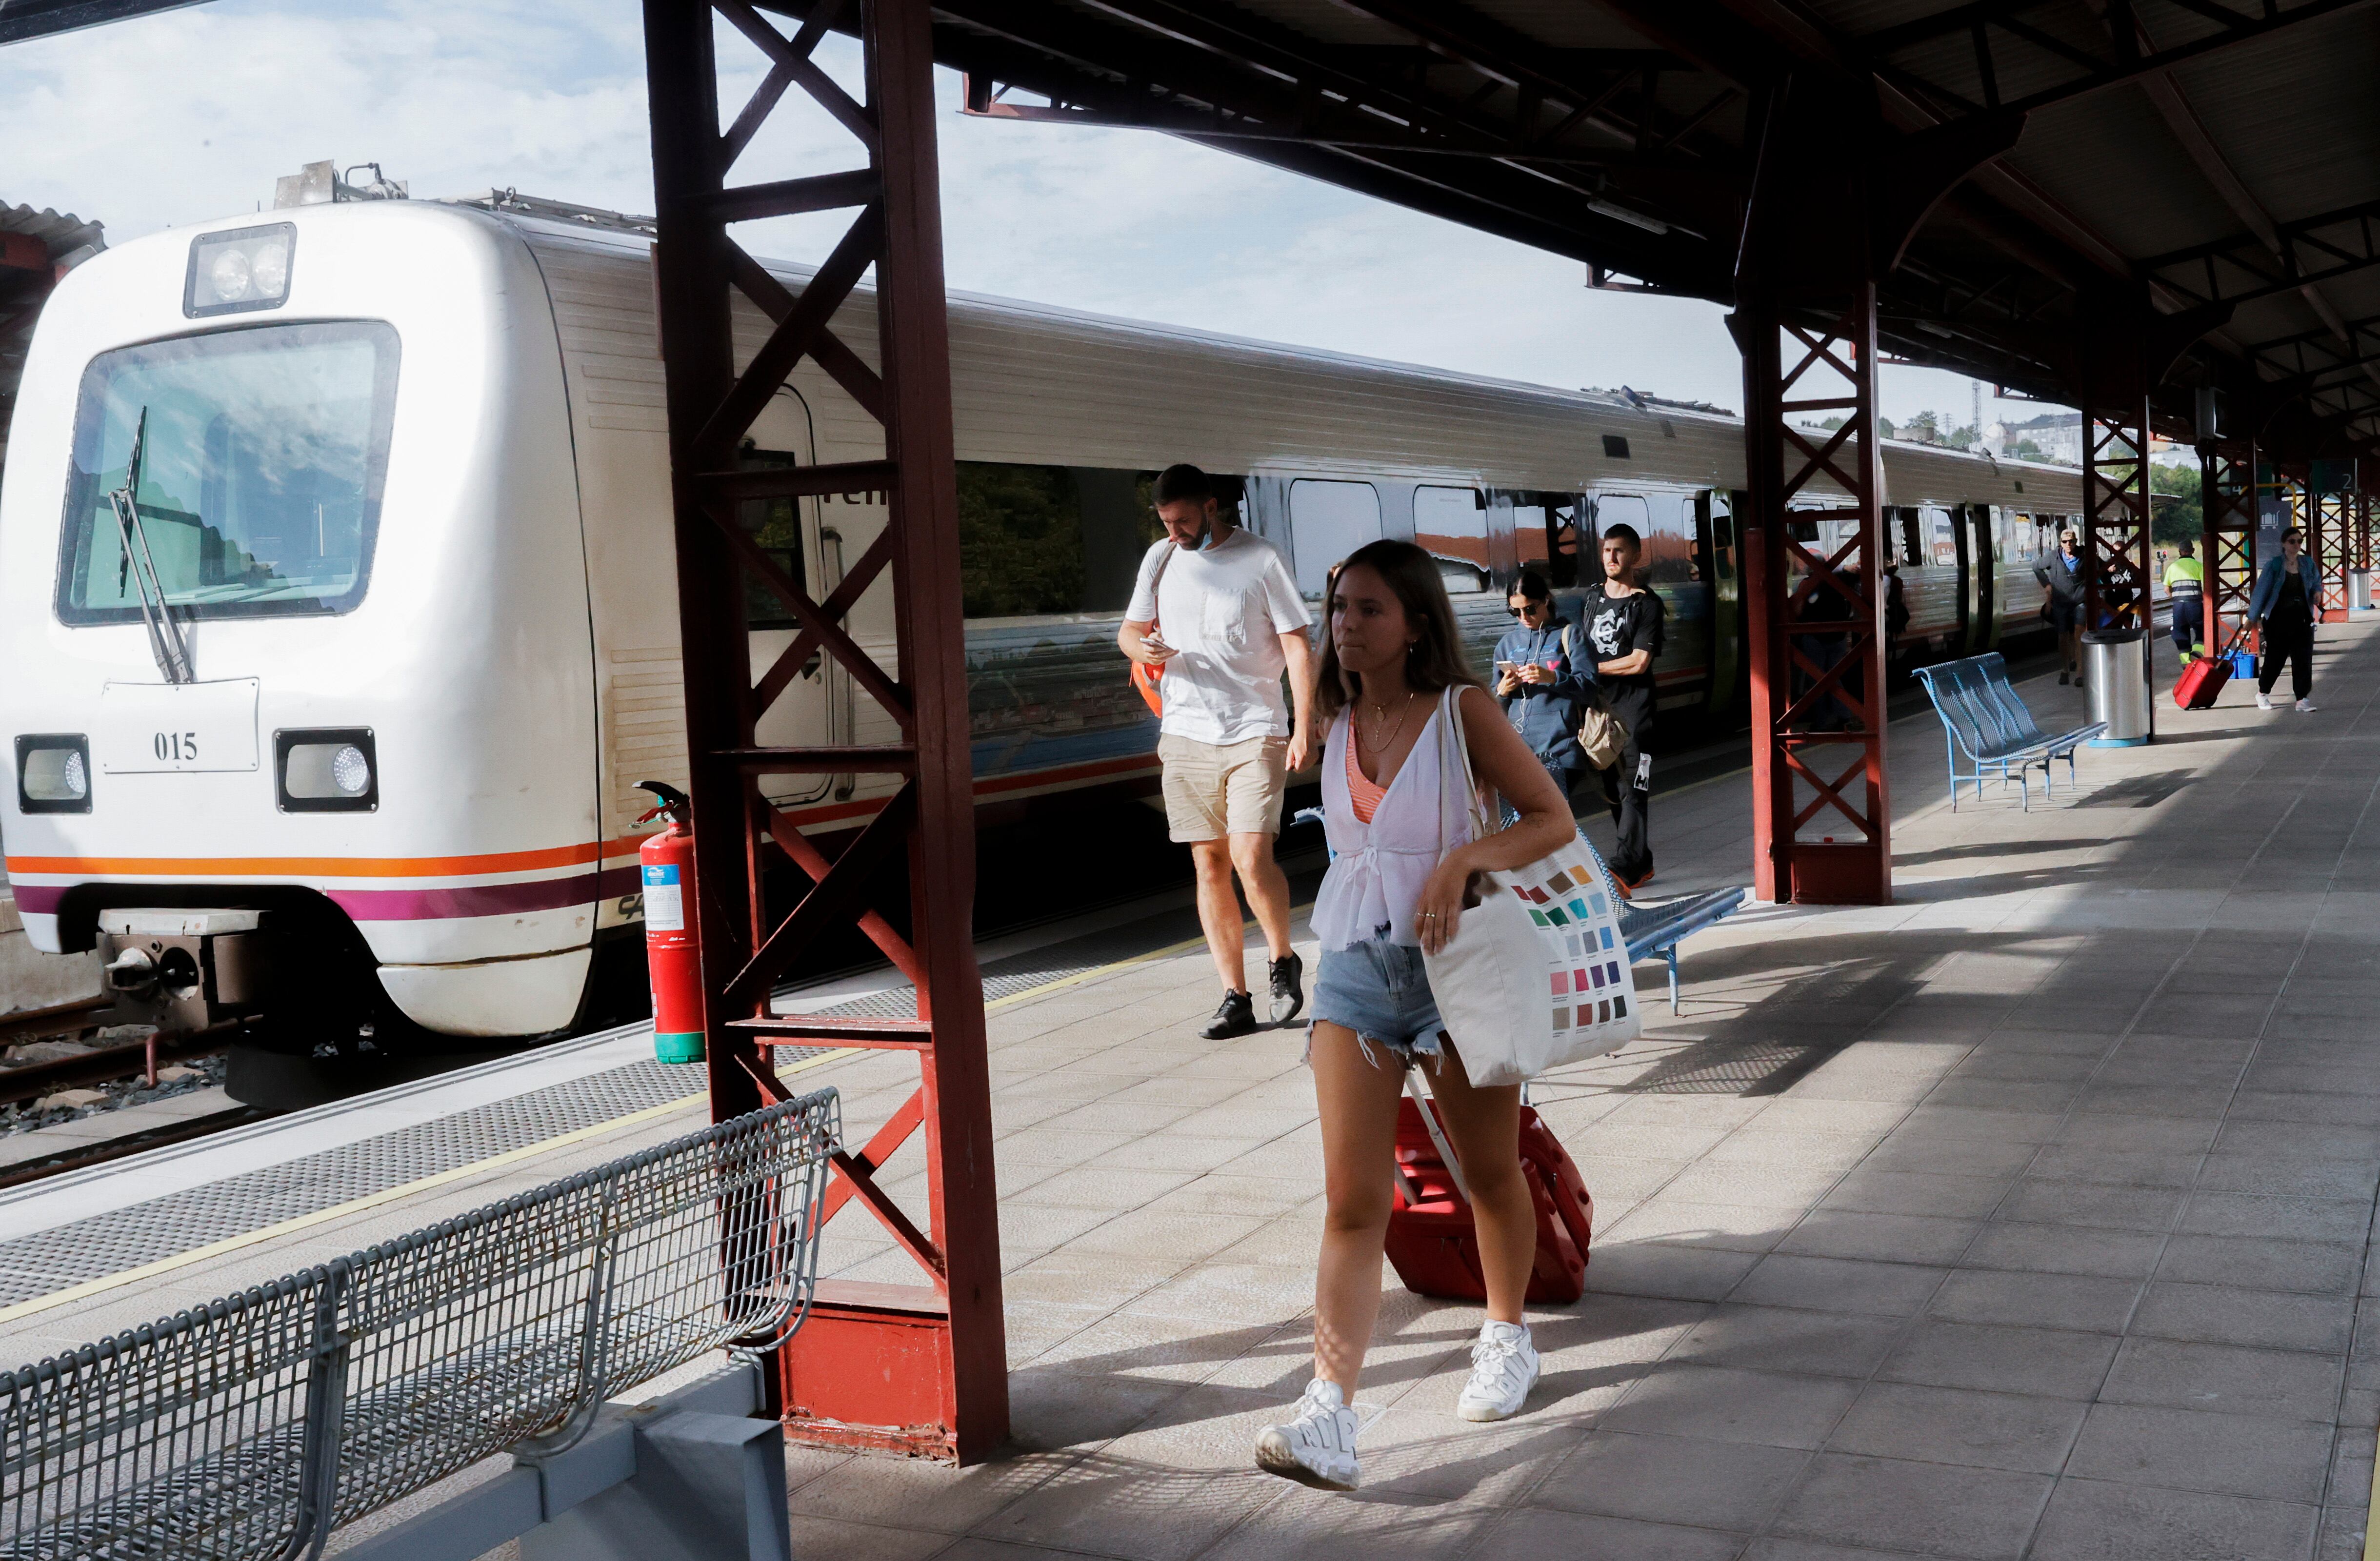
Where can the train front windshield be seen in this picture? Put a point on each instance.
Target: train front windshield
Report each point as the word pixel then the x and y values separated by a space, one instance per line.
pixel 259 490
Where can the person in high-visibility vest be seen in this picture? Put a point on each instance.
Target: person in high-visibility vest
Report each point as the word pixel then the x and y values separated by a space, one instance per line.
pixel 2185 581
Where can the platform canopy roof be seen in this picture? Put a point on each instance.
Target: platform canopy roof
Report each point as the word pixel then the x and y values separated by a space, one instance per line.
pixel 2214 160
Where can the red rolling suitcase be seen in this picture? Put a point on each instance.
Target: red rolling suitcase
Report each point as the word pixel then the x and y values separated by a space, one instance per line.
pixel 2201 682
pixel 1432 1243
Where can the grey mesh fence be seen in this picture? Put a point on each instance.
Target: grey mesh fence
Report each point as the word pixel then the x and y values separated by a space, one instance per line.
pixel 251 1427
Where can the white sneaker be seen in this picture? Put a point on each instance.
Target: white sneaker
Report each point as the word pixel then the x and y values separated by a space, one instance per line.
pixel 1503 1369
pixel 1315 1448
pixel 2264 701
pixel 2306 706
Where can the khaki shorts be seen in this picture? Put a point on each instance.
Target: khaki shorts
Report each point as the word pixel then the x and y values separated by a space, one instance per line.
pixel 1212 791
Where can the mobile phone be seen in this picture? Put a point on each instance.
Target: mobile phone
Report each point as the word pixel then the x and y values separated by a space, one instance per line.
pixel 1508 669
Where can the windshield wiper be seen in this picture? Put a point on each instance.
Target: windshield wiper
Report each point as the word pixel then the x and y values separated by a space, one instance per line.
pixel 166 640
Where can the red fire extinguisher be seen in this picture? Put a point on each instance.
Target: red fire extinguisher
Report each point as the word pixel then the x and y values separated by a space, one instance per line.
pixel 672 947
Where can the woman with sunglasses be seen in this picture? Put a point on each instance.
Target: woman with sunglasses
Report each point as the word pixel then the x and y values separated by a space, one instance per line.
pixel 1541 684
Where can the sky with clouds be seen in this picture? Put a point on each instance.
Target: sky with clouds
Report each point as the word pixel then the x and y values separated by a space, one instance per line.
pixel 190 115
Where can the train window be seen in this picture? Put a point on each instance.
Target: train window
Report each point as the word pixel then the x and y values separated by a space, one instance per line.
pixel 1036 541
pixel 262 455
pixel 1020 539
pixel 1901 524
pixel 1941 541
pixel 776 526
pixel 1670 553
pixel 1327 521
pixel 1451 524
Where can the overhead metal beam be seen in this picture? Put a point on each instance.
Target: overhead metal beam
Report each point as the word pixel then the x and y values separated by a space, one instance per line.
pixel 23 20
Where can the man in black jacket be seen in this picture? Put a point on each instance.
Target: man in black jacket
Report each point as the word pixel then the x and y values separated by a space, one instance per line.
pixel 2064 574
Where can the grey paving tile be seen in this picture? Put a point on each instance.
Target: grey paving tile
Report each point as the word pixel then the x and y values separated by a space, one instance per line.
pixel 1530 1534
pixel 2315 1267
pixel 2225 1378
pixel 1919 1149
pixel 1780 1338
pixel 2056 1249
pixel 1893 1238
pixel 1652 1269
pixel 1933 1509
pixel 2048 1361
pixel 1731 1226
pixel 1729 1405
pixel 2093 1205
pixel 1960 1426
pixel 2227 1315
pixel 2191 1450
pixel 2290 1176
pixel 2115 1167
pixel 2303 1220
pixel 2038 1301
pixel 1917 1192
pixel 1673 1480
pixel 2311 1141
pixel 1892 1289
pixel 1948 1121
pixel 2140 1135
pixel 2101 1521
pixel 2342 1535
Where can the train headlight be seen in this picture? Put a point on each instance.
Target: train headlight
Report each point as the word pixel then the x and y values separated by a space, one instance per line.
pixel 53 773
pixel 245 268
pixel 333 769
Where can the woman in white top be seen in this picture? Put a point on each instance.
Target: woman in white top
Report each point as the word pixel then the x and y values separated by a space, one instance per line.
pixel 1402 864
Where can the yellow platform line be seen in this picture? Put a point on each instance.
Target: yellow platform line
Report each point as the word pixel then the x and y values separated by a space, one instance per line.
pixel 89 1288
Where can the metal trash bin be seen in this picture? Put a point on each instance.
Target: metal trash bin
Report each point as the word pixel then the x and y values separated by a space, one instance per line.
pixel 2359 588
pixel 2118 675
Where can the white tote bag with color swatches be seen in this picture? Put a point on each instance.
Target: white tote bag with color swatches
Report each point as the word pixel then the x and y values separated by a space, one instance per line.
pixel 1537 976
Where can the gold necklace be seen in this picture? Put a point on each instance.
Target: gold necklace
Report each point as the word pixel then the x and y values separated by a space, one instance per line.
pixel 1403 712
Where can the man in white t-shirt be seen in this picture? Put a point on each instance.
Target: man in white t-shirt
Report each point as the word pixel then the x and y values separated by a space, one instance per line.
pixel 1216 608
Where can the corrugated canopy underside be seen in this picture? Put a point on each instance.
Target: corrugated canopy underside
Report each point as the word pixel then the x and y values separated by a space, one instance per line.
pixel 2198 152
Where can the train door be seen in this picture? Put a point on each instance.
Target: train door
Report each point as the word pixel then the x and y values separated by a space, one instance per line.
pixel 815 707
pixel 1963 559
pixel 1984 531
pixel 1715 541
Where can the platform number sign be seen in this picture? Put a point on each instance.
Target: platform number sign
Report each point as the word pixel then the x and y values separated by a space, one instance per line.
pixel 175 747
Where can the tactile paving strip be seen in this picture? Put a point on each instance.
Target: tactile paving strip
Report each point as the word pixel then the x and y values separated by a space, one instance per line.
pixel 126 1237
pixel 92 1248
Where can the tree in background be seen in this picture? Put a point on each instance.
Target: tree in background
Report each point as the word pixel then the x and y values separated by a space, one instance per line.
pixel 2176 502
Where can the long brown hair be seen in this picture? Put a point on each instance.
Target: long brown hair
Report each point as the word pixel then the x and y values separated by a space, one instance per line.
pixel 1437 661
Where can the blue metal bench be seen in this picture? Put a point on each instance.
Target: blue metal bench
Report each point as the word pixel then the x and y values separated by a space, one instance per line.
pixel 1653 931
pixel 1984 719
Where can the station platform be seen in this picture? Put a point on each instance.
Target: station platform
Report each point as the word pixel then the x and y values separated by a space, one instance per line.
pixel 2028 1216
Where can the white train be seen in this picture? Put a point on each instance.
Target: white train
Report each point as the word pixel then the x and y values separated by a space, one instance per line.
pixel 403 484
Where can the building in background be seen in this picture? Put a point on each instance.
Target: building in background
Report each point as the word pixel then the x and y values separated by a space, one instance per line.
pixel 36 248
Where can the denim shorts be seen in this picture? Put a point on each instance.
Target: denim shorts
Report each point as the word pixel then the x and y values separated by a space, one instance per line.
pixel 1380 990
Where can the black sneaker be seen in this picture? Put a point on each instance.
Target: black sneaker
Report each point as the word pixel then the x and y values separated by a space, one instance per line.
pixel 1237 1016
pixel 2065 678
pixel 1288 987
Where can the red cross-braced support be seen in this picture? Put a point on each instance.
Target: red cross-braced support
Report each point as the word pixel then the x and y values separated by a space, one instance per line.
pixel 917 1367
pixel 2227 527
pixel 2116 519
pixel 2330 536
pixel 1821 818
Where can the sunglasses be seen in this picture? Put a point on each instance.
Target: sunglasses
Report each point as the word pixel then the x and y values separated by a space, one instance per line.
pixel 1526 608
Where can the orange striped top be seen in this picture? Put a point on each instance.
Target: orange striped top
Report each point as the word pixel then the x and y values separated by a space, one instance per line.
pixel 1362 794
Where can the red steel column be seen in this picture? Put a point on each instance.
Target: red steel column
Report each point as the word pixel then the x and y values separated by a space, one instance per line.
pixel 2227 470
pixel 1812 535
pixel 918 1367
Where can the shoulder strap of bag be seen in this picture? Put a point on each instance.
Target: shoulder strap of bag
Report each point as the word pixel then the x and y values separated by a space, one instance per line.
pixel 1461 755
